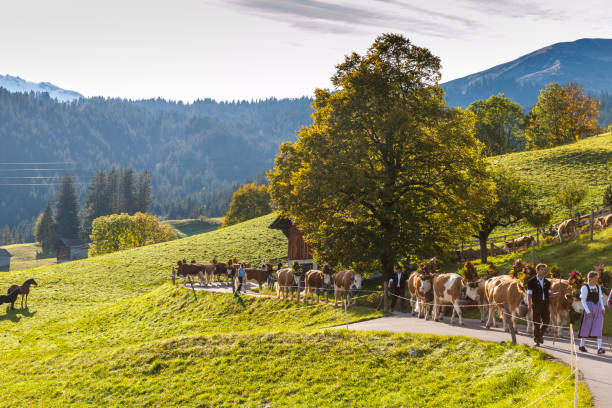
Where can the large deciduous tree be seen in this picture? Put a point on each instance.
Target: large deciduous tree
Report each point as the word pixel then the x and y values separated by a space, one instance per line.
pixel 512 204
pixel 562 114
pixel 499 124
pixel 385 169
pixel 249 201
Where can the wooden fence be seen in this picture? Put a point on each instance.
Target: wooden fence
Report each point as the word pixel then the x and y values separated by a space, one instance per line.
pixel 589 218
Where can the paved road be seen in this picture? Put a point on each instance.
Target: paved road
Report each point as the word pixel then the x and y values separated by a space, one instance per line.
pixel 596 370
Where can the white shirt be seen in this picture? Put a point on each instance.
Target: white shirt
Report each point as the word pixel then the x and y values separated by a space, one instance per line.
pixel 399 278
pixel 584 291
pixel 541 281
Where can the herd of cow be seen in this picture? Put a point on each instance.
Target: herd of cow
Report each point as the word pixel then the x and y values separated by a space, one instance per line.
pixel 430 291
pixel 287 280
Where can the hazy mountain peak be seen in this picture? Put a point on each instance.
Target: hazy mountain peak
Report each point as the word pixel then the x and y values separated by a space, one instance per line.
pixel 16 84
pixel 585 61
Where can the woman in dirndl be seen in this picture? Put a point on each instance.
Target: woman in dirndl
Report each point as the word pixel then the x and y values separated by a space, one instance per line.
pixel 593 317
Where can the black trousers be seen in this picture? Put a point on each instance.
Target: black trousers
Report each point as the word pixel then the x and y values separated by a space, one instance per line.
pixel 240 278
pixel 541 314
pixel 397 292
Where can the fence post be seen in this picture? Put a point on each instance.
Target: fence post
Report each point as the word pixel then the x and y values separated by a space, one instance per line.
pixel 299 281
pixel 510 324
pixel 533 246
pixel 592 223
pixel 538 235
pixel 385 296
pixel 345 311
pixel 575 370
pixel 173 276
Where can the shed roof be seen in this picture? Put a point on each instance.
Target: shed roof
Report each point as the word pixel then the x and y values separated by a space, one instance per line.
pixel 4 253
pixel 73 243
pixel 282 224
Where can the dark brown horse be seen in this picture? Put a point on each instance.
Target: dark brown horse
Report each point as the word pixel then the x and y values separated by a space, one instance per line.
pixel 24 290
pixel 10 298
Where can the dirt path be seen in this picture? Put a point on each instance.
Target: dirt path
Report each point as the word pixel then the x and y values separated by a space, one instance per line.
pixel 596 370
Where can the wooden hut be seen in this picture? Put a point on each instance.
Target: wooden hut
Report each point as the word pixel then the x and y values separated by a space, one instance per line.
pixel 5 259
pixel 69 249
pixel 298 249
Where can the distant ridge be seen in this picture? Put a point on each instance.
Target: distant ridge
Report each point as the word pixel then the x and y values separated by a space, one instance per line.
pixel 16 84
pixel 586 61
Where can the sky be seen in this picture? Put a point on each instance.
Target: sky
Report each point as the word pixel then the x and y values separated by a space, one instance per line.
pixel 254 49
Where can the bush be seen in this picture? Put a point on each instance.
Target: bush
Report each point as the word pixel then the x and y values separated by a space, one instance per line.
pixel 115 232
pixel 607 197
pixel 570 196
pixel 248 202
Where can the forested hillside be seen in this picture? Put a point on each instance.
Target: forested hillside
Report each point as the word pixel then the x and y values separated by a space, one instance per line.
pixel 196 153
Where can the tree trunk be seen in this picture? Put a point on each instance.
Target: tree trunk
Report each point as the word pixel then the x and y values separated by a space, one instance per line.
pixel 386 262
pixel 482 237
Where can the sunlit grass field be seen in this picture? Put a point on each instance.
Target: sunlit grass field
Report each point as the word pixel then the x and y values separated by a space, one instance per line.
pixel 587 162
pixel 193 226
pixel 112 331
pixel 26 256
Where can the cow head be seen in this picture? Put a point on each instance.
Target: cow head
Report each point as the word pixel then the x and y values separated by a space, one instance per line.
pixel 327 279
pixel 358 280
pixel 471 291
pixel 424 284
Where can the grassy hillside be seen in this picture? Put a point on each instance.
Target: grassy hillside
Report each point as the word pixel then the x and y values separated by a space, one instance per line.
pixel 111 331
pixel 588 162
pixel 194 226
pixel 26 256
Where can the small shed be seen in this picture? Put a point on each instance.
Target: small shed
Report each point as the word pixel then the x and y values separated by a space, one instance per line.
pixel 298 249
pixel 69 249
pixel 5 259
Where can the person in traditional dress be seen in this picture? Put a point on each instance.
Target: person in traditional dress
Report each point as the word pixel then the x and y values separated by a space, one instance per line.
pixel 591 326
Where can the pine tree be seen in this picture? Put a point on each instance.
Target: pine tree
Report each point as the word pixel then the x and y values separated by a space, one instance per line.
pixel 66 209
pixel 44 229
pixel 113 192
pixel 97 203
pixel 7 237
pixel 128 203
pixel 144 192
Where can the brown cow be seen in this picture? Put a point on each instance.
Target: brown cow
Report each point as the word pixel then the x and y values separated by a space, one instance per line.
pixel 284 283
pixel 314 283
pixel 500 289
pixel 483 303
pixel 256 275
pixel 447 289
pixel 343 280
pixel 567 228
pixel 519 244
pixel 605 221
pixel 190 269
pixel 562 302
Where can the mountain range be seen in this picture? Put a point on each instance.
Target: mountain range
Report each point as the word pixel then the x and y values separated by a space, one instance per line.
pixel 16 84
pixel 198 152
pixel 585 61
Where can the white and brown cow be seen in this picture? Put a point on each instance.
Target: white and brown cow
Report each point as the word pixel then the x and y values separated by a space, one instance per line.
pixel 284 283
pixel 500 289
pixel 447 290
pixel 414 305
pixel 343 280
pixel 423 291
pixel 483 302
pixel 314 284
pixel 562 302
pixel 519 244
pixel 567 229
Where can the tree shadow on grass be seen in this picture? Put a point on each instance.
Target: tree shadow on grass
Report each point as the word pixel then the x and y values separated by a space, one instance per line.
pixel 15 315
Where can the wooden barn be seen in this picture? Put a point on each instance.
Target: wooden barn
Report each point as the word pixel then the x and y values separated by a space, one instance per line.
pixel 5 259
pixel 69 249
pixel 298 249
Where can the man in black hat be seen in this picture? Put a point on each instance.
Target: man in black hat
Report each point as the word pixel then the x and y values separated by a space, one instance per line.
pixel 538 295
pixel 397 287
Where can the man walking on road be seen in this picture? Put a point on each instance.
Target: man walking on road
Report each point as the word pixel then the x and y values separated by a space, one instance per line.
pixel 538 291
pixel 397 285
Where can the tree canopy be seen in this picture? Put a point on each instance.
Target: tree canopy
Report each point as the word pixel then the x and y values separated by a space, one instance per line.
pixel 249 201
pixel 563 114
pixel 115 232
pixel 386 170
pixel 499 124
pixel 512 204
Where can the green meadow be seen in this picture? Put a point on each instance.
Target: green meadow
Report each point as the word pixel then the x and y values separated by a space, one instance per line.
pixel 113 331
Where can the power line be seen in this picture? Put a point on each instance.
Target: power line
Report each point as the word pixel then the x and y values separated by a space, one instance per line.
pixel 32 163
